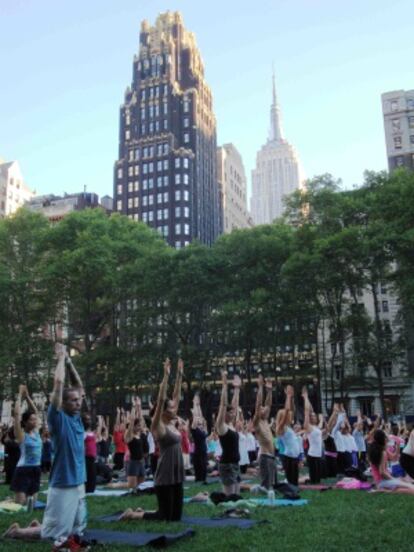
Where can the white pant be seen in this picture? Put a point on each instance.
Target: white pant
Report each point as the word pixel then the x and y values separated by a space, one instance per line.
pixel 65 512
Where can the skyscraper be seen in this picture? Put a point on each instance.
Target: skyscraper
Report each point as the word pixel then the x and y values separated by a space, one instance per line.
pixel 277 173
pixel 233 187
pixel 398 112
pixel 166 171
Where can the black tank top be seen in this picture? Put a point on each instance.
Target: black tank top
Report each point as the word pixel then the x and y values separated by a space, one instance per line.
pixel 137 447
pixel 230 445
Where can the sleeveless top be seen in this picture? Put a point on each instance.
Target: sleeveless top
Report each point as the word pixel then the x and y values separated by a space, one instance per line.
pixel 230 445
pixel 138 446
pixel 290 443
pixel 90 444
pixel 170 468
pixel 30 450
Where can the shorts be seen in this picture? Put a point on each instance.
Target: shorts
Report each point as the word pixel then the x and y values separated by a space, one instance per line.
pixel 26 479
pixel 393 484
pixel 65 512
pixel 267 467
pixel 136 468
pixel 229 474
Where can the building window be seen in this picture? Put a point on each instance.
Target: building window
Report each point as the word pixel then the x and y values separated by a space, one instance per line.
pixel 159 165
pixel 177 212
pixel 394 105
pixel 178 229
pixel 177 179
pixel 136 170
pixel 127 135
pixel 185 178
pixel 185 162
pixel 136 202
pixel 119 173
pixel 177 162
pixel 143 113
pixel 151 200
pixel 165 180
pixel 177 195
pixel 145 217
pixel 130 186
pixel 186 137
pixel 397 142
pixel 145 201
pixel 166 197
pixel 410 103
pixel 165 214
pixel 165 164
pixel 159 214
pixel 142 129
pixel 411 122
pixel 412 138
pixel 150 167
pixel 385 307
pixel 119 189
pixel 366 406
pixel 186 122
pixel 159 150
pixel 151 216
pixel 186 106
pixel 186 195
pixel 165 124
pixel 159 182
pixel 166 149
pixel 118 205
pixel 131 155
pixel 178 245
pixel 159 198
pixel 399 161
pixel 396 124
pixel 186 212
pixel 144 168
pixel 187 229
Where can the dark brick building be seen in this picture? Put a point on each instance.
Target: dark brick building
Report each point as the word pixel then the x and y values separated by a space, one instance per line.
pixel 166 171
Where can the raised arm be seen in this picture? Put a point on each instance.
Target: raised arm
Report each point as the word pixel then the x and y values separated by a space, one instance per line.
pixel 59 380
pixel 308 409
pixel 269 394
pixel 221 425
pixel 236 396
pixel 157 426
pixel 333 418
pixel 30 403
pixel 74 377
pixel 283 419
pixel 259 399
pixel 178 382
pixel 18 431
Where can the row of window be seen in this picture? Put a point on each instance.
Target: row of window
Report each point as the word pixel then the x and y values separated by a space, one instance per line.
pixel 148 200
pixel 396 124
pixel 154 110
pixel 394 104
pixel 398 141
pixel 161 165
pixel 160 150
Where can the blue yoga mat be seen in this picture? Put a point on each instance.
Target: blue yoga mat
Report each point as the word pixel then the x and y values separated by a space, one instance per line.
pixel 201 521
pixel 279 502
pixel 101 536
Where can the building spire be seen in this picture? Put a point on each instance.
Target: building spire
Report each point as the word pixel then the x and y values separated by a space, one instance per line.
pixel 276 133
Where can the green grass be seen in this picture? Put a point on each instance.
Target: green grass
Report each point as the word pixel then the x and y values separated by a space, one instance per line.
pixel 333 521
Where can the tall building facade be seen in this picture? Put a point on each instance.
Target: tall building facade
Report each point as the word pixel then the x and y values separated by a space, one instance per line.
pixel 166 171
pixel 13 190
pixel 233 188
pixel 398 113
pixel 278 171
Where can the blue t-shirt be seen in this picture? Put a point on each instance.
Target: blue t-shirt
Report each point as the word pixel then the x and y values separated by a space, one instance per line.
pixel 290 443
pixel 67 433
pixel 30 450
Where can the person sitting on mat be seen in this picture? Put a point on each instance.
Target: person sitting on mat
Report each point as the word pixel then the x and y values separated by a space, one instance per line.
pixel 264 435
pixel 169 477
pixel 26 478
pixel 229 468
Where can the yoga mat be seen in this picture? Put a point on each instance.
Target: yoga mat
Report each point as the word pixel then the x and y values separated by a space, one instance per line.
pixel 39 505
pixel 101 536
pixel 279 502
pixel 221 522
pixel 314 487
pixel 109 492
pixel 204 522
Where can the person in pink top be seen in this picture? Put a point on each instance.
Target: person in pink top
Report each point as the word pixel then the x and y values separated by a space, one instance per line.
pixel 378 458
pixel 90 454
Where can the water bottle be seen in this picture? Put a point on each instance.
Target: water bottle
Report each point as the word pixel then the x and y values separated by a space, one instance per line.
pixel 30 504
pixel 271 497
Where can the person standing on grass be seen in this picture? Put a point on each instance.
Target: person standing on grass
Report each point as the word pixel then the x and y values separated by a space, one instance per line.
pixel 229 468
pixel 314 435
pixel 65 516
pixel 288 438
pixel 26 478
pixel 169 477
pixel 90 453
pixel 264 435
pixel 199 436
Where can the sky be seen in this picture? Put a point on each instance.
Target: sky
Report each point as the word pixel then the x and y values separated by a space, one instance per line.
pixel 66 64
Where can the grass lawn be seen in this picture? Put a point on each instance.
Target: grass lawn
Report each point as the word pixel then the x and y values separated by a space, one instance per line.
pixel 332 521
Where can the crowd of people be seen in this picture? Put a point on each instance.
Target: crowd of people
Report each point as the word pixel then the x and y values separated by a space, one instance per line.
pixel 77 452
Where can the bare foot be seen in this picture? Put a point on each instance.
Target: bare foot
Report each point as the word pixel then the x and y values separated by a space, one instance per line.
pixel 11 531
pixel 35 523
pixel 139 510
pixel 126 515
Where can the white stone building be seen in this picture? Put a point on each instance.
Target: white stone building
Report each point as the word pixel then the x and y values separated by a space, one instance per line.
pixel 398 113
pixel 233 188
pixel 13 190
pixel 278 171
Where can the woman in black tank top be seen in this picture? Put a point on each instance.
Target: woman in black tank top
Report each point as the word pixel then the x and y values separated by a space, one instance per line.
pixel 229 468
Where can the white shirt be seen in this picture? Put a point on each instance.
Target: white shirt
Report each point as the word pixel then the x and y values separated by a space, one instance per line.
pixel 151 443
pixel 244 455
pixel 349 442
pixel 409 447
pixel 315 442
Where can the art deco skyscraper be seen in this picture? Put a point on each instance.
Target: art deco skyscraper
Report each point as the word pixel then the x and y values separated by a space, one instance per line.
pixel 278 172
pixel 166 171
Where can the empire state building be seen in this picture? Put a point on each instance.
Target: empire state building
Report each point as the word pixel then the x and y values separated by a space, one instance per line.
pixel 278 171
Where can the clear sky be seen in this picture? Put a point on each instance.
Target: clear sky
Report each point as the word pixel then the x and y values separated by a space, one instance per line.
pixel 65 65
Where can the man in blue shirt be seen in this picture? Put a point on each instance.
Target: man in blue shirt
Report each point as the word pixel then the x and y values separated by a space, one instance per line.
pixel 65 514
